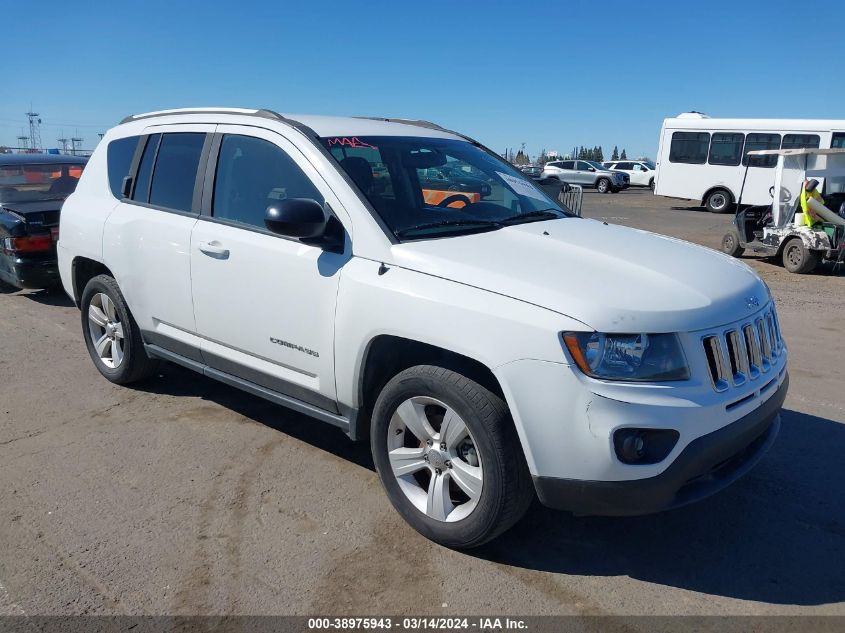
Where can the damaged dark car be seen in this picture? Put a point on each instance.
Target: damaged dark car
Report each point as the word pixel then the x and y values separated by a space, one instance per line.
pixel 33 188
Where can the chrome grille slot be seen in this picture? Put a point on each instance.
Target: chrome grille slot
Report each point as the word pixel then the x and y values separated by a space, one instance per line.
pixel 737 358
pixel 774 335
pixel 752 346
pixel 765 347
pixel 716 363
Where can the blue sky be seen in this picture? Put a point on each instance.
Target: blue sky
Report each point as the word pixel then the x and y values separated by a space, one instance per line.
pixel 550 74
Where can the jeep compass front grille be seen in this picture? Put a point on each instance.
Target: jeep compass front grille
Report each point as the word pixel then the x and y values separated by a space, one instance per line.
pixel 743 352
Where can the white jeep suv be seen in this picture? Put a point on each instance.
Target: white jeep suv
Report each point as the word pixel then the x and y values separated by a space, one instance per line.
pixel 489 343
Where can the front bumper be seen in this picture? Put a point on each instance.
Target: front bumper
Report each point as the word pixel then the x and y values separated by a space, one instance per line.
pixel 708 464
pixel 30 272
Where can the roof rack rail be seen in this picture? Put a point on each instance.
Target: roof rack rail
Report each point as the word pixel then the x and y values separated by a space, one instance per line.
pixel 420 123
pixel 264 113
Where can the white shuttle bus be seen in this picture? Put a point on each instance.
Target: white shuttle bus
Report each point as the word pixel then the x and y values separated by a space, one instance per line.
pixel 704 159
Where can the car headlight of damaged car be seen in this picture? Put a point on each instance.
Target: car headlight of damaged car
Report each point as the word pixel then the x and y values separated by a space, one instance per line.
pixel 631 357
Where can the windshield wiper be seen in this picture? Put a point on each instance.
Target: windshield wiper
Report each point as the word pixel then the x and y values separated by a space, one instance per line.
pixel 454 222
pixel 532 216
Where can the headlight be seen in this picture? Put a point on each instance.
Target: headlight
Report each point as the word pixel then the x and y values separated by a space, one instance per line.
pixel 633 357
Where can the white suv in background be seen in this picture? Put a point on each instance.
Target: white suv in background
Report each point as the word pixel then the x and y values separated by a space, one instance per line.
pixel 641 172
pixel 586 173
pixel 489 344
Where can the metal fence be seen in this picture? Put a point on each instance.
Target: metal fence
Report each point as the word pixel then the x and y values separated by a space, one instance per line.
pixel 570 197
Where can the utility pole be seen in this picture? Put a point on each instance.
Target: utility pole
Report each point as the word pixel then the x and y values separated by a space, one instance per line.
pixel 34 129
pixel 23 140
pixel 74 143
pixel 63 141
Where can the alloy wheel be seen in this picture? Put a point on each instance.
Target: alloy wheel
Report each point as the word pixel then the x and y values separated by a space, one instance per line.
pixel 434 458
pixel 106 330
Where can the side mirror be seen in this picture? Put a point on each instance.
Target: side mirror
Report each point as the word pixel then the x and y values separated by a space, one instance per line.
pixel 591 168
pixel 296 217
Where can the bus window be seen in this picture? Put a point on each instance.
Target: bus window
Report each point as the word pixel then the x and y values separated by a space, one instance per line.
pixel 726 149
pixel 800 141
pixel 761 141
pixel 838 140
pixel 689 147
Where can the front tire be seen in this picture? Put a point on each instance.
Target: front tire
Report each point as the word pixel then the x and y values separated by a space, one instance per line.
pixel 797 258
pixel 449 457
pixel 111 335
pixel 731 245
pixel 603 185
pixel 718 201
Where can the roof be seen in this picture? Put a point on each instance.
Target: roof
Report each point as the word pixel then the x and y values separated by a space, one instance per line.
pixel 754 125
pixel 41 159
pixel 321 125
pixel 797 152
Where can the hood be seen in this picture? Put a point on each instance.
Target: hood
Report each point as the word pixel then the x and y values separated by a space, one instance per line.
pixel 612 278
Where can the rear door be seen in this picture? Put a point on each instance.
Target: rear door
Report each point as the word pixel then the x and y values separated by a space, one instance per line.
pixel 146 240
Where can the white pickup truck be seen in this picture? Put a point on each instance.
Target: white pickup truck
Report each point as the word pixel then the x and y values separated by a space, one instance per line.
pixel 491 345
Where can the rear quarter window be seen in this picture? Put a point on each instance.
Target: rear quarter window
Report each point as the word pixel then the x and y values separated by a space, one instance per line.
pixel 119 155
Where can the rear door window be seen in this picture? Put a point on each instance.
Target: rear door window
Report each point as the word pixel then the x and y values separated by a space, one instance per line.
pixel 119 155
pixel 175 173
pixel 141 190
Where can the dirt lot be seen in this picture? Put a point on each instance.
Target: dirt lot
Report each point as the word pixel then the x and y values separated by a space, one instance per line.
pixel 184 496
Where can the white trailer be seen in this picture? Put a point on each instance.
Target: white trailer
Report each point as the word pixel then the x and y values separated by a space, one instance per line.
pixel 705 159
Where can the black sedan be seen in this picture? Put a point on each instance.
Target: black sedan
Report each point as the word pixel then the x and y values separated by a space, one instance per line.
pixel 32 190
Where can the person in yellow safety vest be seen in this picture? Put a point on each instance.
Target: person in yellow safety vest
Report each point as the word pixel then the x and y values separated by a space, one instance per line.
pixel 810 190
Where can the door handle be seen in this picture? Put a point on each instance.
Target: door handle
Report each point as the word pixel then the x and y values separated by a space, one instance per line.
pixel 214 249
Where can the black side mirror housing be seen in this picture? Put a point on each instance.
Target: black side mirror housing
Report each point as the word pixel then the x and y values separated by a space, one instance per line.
pixel 296 217
pixel 305 220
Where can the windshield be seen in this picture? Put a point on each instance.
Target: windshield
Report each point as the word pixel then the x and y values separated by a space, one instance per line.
pixel 38 182
pixel 598 166
pixel 649 164
pixel 431 187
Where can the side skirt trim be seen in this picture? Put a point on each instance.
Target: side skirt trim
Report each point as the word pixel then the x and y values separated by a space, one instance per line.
pixel 334 419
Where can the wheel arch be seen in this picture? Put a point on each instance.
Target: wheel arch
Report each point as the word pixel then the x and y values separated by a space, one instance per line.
pixel 83 269
pixel 718 188
pixel 386 355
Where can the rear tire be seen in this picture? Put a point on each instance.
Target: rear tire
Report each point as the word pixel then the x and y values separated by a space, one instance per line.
pixel 718 201
pixel 460 488
pixel 651 184
pixel 797 258
pixel 602 185
pixel 731 245
pixel 111 335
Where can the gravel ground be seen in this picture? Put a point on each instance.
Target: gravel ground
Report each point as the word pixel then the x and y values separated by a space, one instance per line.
pixel 183 496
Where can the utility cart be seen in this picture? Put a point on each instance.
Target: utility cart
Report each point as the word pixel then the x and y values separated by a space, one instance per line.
pixel 780 230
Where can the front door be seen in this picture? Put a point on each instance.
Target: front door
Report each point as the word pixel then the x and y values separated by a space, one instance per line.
pixel 264 304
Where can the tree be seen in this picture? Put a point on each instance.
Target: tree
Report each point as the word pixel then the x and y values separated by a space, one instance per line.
pixel 615 154
pixel 623 155
pixel 599 154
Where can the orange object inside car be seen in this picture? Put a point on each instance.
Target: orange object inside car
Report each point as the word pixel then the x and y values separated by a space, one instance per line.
pixel 434 197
